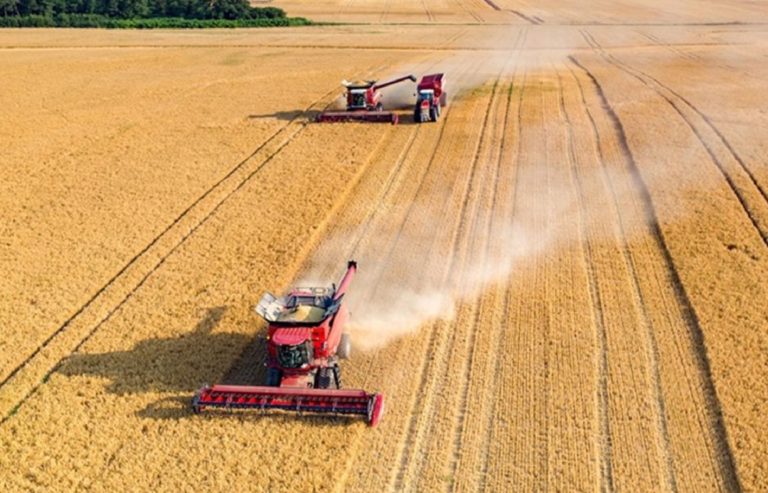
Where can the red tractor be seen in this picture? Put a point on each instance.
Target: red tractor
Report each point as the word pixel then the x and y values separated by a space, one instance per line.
pixel 364 103
pixel 305 339
pixel 431 97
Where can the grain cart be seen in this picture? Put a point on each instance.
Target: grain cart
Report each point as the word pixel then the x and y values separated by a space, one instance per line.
pixel 364 103
pixel 431 97
pixel 305 340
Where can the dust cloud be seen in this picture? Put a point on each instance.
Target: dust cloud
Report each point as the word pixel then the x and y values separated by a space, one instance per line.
pixel 415 273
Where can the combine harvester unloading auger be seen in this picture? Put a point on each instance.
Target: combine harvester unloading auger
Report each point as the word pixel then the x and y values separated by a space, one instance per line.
pixel 364 103
pixel 305 339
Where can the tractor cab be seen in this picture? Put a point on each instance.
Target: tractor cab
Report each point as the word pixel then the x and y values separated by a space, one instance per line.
pixel 360 95
pixel 357 99
pixel 426 96
pixel 293 348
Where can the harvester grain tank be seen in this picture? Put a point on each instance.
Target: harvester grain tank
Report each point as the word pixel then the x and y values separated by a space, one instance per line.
pixel 305 340
pixel 364 103
pixel 431 96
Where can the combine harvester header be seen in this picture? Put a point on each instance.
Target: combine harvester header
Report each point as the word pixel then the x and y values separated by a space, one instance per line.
pixel 305 340
pixel 364 103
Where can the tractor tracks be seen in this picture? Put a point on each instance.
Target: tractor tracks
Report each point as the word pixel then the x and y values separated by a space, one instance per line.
pixel 656 41
pixel 604 423
pixel 358 246
pixel 752 197
pixel 411 454
pixel 723 454
pixel 524 17
pixel 484 236
pixel 489 422
pixel 642 309
pixel 430 16
pixel 111 296
pixel 468 11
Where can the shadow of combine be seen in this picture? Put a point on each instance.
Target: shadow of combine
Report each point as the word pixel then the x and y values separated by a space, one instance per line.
pixel 163 365
pixel 181 365
pixel 310 115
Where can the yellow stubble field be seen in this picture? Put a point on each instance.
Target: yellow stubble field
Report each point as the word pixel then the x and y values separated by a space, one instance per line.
pixel 561 283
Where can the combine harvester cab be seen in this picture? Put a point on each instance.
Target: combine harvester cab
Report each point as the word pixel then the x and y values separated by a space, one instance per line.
pixel 364 103
pixel 305 340
pixel 431 97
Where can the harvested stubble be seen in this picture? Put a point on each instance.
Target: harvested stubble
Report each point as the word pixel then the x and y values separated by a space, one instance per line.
pixel 595 225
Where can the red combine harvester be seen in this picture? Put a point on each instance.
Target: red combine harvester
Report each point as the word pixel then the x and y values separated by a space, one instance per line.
pixel 364 103
pixel 305 340
pixel 431 96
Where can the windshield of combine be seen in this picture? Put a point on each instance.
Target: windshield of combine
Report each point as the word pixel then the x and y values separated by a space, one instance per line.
pixel 358 100
pixel 293 356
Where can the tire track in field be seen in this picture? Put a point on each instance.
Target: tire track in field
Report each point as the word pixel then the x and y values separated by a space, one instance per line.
pixel 207 210
pixel 467 10
pixel 604 425
pixel 657 42
pixel 394 178
pixel 639 302
pixel 415 433
pixel 490 424
pixel 759 219
pixel 763 192
pixel 459 34
pixel 543 265
pixel 471 344
pixel 132 291
pixel 671 334
pixel 476 13
pixel 645 78
pixel 526 18
pixel 378 275
pixel 448 343
pixel 724 454
pixel 430 17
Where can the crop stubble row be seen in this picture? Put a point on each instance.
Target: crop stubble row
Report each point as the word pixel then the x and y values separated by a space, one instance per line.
pixel 594 347
pixel 719 257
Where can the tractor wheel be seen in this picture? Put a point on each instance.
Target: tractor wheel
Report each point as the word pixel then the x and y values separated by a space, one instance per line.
pixel 417 116
pixel 322 379
pixel 437 110
pixel 345 347
pixel 433 114
pixel 273 377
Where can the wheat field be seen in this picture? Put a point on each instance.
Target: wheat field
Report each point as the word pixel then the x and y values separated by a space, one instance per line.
pixel 561 283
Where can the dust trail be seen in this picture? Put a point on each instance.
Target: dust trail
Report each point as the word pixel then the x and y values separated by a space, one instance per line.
pixel 400 285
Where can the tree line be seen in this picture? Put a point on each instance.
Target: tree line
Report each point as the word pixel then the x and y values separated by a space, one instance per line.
pixel 129 9
pixel 140 13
